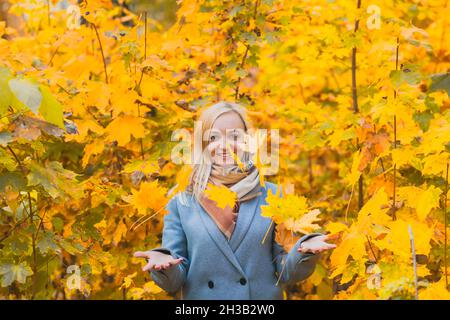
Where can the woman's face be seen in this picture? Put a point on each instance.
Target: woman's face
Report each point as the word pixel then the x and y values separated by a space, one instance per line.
pixel 228 128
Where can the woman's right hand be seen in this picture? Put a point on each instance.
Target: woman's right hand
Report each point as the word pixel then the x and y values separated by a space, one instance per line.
pixel 157 260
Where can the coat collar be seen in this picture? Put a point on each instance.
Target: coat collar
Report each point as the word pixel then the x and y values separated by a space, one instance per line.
pixel 245 217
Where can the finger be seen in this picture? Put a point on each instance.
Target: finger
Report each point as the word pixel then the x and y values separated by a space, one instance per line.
pixel 176 261
pixel 328 246
pixel 321 249
pixel 164 266
pixel 148 266
pixel 141 254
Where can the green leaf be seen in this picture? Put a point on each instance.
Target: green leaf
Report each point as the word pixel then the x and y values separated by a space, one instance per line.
pixel 146 166
pixel 51 109
pixel 5 93
pixel 423 119
pixel 56 180
pixel 19 244
pixel 47 243
pixel 7 161
pixel 241 73
pixel 26 93
pixel 440 82
pixel 71 248
pixel 5 137
pixel 431 104
pixel 235 11
pixel 11 273
pixel 16 180
pixel 408 74
pixel 58 223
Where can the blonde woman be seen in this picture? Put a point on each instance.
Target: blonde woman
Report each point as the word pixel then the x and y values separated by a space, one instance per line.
pixel 213 253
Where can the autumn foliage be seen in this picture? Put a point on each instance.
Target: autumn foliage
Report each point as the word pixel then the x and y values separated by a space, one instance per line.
pixel 89 100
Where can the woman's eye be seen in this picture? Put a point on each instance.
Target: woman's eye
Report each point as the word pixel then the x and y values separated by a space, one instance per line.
pixel 213 138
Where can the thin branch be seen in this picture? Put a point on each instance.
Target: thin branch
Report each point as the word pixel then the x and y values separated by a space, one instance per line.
pixel 31 217
pixel 413 253
pixel 394 198
pixel 371 249
pixel 247 48
pixel 48 12
pixel 140 81
pixel 53 55
pixel 101 50
pixel 145 49
pixel 445 227
pixel 355 95
pixel 8 233
pixel 236 94
pixel 356 109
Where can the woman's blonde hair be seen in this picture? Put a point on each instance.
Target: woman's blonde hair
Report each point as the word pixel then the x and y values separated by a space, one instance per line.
pixel 201 167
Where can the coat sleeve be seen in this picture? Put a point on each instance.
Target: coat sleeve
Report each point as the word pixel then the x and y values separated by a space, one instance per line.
pixel 174 243
pixel 294 266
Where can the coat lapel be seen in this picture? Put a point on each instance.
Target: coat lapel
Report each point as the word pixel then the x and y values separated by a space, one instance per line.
pixel 245 217
pixel 247 212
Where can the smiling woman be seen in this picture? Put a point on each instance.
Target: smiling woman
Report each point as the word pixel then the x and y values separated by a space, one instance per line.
pixel 209 252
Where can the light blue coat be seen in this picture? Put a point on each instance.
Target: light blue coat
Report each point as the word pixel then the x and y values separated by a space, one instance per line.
pixel 214 268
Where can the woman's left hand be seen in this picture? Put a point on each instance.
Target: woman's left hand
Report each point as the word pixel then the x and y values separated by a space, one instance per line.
pixel 316 244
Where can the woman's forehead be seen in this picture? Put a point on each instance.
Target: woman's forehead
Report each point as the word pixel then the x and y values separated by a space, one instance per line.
pixel 228 121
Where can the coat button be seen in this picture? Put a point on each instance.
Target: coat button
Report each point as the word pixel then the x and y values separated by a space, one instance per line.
pixel 210 284
pixel 243 281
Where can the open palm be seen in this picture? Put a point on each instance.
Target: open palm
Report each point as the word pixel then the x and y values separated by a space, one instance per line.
pixel 316 244
pixel 157 260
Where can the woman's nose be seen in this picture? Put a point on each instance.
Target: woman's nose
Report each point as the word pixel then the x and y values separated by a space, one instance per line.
pixel 223 145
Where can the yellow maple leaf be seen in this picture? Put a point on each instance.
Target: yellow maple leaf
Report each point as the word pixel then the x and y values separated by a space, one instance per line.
pixel 354 174
pixel 222 195
pixel 336 227
pixel 235 157
pixel 151 287
pixel 306 222
pixel 353 243
pixel 122 128
pixel 435 291
pixel 397 239
pixel 374 211
pixel 435 164
pixel 119 233
pixel 280 209
pixel 423 200
pixel 149 196
pixel 182 178
pixel 128 280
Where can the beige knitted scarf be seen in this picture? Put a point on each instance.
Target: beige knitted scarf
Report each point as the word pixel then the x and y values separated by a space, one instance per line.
pixel 244 182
